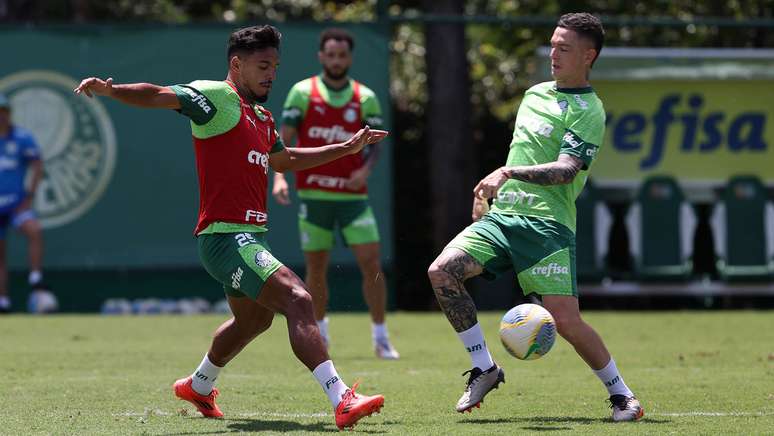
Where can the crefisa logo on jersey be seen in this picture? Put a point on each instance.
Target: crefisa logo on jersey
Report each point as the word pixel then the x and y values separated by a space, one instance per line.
pixel 76 137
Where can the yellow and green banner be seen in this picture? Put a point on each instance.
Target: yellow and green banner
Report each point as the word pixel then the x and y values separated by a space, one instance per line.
pixel 700 131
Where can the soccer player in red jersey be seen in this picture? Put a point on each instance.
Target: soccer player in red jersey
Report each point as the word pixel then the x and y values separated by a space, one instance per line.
pixel 236 142
pixel 319 110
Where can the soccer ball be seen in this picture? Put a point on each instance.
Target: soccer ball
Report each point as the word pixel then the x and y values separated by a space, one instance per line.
pixel 527 331
pixel 42 301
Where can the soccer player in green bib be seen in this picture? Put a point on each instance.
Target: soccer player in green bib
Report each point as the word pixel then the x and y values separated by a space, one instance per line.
pixel 531 225
pixel 326 108
pixel 235 143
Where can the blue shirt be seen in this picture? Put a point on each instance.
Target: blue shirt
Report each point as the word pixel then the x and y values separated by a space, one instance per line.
pixel 17 150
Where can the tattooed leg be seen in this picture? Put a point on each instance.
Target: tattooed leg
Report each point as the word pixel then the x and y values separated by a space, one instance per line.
pixel 447 275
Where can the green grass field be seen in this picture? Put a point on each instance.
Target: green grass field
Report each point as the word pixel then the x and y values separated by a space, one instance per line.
pixel 695 373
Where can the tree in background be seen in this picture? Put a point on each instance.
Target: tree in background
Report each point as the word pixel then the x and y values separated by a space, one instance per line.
pixel 460 108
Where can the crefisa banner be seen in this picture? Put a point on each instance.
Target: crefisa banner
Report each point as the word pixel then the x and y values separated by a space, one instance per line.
pixel 701 132
pixel 701 115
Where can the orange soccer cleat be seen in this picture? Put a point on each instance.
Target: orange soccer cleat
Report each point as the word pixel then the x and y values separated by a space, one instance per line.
pixel 353 407
pixel 204 403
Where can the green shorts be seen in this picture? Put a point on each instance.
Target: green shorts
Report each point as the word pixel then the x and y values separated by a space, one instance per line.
pixel 241 262
pixel 540 251
pixel 317 220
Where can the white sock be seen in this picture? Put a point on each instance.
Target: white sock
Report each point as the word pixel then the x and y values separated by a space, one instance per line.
pixel 329 379
pixel 204 376
pixel 5 302
pixel 323 326
pixel 473 339
pixel 379 331
pixel 35 277
pixel 612 380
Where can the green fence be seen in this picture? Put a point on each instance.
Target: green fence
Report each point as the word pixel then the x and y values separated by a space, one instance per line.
pixel 146 210
pixel 120 189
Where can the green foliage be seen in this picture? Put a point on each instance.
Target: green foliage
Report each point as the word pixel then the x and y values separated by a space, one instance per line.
pixel 695 373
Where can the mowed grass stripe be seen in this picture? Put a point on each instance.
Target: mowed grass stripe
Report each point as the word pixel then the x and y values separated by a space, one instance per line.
pixel 695 372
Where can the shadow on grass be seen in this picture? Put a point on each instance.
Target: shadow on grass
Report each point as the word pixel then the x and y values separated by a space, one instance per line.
pixel 279 426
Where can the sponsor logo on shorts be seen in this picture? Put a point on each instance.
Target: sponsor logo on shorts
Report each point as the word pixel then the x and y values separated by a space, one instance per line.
pixel 552 269
pixel 264 259
pixel 76 137
pixel 236 278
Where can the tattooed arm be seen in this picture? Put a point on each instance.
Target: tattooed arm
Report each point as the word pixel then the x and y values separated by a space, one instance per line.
pixel 559 172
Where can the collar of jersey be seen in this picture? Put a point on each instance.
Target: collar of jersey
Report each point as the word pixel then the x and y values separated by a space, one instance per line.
pixel 344 88
pixel 584 90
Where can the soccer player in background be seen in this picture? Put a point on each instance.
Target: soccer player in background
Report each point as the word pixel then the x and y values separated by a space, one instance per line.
pixel 235 143
pixel 319 110
pixel 19 155
pixel 559 128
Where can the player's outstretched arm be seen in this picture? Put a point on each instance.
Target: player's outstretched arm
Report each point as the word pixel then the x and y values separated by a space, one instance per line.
pixel 301 158
pixel 559 172
pixel 144 95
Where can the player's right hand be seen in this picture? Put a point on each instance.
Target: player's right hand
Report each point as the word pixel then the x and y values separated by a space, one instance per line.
pixel 94 85
pixel 363 137
pixel 280 191
pixel 480 208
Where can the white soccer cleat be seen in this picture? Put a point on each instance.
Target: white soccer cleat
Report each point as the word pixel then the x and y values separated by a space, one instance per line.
pixel 626 408
pixel 479 384
pixel 384 349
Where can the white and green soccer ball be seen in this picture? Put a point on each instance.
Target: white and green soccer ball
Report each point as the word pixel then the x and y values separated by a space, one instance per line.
pixel 528 331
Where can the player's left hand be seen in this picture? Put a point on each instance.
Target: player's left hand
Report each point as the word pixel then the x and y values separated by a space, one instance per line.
pixel 95 85
pixel 488 186
pixel 358 178
pixel 364 136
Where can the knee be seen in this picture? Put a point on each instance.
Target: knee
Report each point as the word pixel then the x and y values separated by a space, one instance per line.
pixel 371 264
pixel 299 301
pixel 436 272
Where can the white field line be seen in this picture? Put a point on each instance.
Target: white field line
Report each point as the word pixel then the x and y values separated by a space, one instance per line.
pixel 159 412
pixel 720 414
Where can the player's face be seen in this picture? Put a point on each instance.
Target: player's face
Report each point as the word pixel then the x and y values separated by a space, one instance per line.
pixel 571 56
pixel 257 71
pixel 336 58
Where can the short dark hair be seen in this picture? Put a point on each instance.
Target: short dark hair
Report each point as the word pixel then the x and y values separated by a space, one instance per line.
pixel 587 26
pixel 337 34
pixel 253 38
